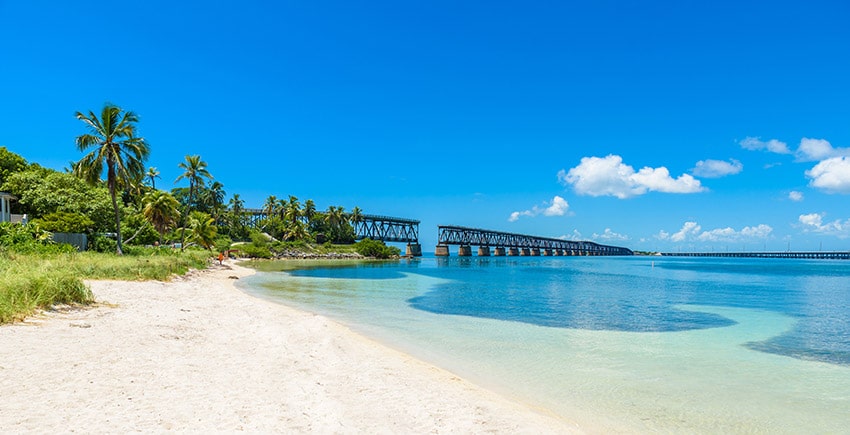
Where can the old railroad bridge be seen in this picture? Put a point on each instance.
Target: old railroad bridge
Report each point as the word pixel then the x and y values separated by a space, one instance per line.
pixel 516 244
pixel 400 230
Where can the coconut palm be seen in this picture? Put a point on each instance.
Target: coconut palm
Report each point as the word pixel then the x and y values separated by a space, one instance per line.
pixel 293 210
pixel 202 229
pixel 152 175
pixel 161 210
pixel 356 215
pixel 115 146
pixel 309 210
pixel 270 206
pixel 195 170
pixel 213 199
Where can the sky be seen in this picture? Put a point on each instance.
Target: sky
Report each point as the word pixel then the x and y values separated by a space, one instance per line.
pixel 671 126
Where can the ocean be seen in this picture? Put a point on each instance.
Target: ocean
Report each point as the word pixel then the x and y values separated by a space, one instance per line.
pixel 614 344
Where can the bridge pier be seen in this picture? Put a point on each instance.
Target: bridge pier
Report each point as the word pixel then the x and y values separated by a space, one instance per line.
pixel 441 251
pixel 413 250
pixel 524 252
pixel 513 252
pixel 547 252
pixel 499 252
pixel 559 252
pixel 464 251
pixel 483 251
pixel 535 252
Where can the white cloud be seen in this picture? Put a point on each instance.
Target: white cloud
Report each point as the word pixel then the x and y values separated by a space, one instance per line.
pixel 557 207
pixel 687 228
pixel 795 196
pixel 609 176
pixel 717 168
pixel 576 235
pixel 811 150
pixel 693 231
pixel 831 175
pixel 662 235
pixel 609 235
pixel 773 145
pixel 813 222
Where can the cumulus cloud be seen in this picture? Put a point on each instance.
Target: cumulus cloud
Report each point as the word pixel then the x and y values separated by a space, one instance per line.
pixel 831 175
pixel 557 207
pixel 609 176
pixel 693 231
pixel 576 235
pixel 773 145
pixel 609 235
pixel 717 168
pixel 813 222
pixel 795 196
pixel 688 228
pixel 811 150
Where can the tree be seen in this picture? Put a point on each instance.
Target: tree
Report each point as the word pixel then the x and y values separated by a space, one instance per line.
pixel 195 170
pixel 115 145
pixel 309 210
pixel 152 175
pixel 270 206
pixel 292 211
pixel 10 163
pixel 161 210
pixel 356 215
pixel 202 229
pixel 213 199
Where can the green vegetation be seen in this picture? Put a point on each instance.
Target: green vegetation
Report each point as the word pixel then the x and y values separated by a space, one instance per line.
pixel 115 144
pixel 376 249
pixel 109 196
pixel 32 281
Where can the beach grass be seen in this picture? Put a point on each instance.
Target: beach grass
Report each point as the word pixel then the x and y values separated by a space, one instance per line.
pixel 29 282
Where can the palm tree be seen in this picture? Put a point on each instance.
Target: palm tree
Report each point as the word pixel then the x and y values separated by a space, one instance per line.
pixel 356 215
pixel 115 145
pixel 293 210
pixel 270 206
pixel 309 209
pixel 152 174
pixel 195 170
pixel 213 198
pixel 202 229
pixel 161 210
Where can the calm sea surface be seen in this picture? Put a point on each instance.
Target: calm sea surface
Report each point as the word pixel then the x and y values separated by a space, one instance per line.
pixel 613 344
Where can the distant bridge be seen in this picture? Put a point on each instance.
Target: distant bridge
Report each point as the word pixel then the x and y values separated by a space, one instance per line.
pixel 516 244
pixel 811 255
pixel 383 228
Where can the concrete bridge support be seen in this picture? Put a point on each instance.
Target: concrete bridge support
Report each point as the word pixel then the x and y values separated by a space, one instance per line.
pixel 413 250
pixel 441 251
pixel 524 252
pixel 559 252
pixel 535 252
pixel 499 252
pixel 464 251
pixel 513 252
pixel 483 251
pixel 547 252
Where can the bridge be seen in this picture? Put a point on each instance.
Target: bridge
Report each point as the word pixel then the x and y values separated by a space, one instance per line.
pixel 811 255
pixel 390 229
pixel 383 228
pixel 516 244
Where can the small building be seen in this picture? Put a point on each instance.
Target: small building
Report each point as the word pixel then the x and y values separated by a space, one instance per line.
pixel 6 199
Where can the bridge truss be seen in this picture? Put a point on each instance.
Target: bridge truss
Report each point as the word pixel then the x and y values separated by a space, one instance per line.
pixel 452 235
pixel 387 229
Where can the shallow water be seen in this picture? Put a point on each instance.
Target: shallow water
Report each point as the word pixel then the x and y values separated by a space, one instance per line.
pixel 614 344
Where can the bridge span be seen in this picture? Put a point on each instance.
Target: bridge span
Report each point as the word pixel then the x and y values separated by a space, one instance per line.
pixel 516 244
pixel 810 255
pixel 390 229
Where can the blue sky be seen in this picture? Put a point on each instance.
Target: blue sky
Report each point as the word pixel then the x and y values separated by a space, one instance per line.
pixel 578 119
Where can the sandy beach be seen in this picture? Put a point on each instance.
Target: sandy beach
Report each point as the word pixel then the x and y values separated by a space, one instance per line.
pixel 197 354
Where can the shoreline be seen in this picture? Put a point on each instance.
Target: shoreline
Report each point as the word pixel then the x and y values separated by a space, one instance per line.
pixel 198 353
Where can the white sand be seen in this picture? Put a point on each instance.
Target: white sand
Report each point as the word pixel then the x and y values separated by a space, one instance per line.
pixel 199 355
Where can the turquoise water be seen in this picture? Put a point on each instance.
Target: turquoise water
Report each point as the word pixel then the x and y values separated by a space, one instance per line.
pixel 613 344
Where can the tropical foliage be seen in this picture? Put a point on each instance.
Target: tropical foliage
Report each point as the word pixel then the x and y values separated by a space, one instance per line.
pixel 115 148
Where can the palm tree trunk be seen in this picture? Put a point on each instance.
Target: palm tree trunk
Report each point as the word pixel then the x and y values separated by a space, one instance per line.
pixel 117 219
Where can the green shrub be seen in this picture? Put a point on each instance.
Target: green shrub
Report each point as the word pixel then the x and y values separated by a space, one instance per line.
pixel 65 222
pixel 102 243
pixel 376 249
pixel 253 251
